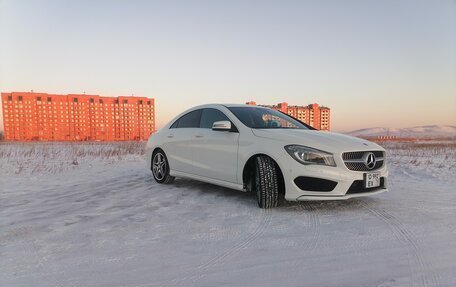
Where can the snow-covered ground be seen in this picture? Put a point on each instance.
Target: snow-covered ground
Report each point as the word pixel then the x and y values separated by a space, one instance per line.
pixel 435 131
pixel 91 215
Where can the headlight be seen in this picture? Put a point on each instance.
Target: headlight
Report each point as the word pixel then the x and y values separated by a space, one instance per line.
pixel 307 155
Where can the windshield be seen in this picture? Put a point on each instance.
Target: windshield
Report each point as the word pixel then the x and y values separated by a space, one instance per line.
pixel 263 118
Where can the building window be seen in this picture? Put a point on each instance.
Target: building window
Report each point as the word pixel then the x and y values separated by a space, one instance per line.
pixel 148 103
pixel 75 100
pixel 125 101
pixel 10 98
pixel 38 99
pixel 20 98
pixel 91 100
pixel 49 99
pixel 140 102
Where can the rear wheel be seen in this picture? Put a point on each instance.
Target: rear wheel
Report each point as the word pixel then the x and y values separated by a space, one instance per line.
pixel 160 168
pixel 266 182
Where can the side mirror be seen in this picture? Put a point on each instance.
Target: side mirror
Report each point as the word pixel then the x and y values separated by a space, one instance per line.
pixel 221 126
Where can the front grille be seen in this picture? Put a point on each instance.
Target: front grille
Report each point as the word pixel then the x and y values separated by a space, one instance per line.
pixel 355 160
pixel 360 166
pixel 360 154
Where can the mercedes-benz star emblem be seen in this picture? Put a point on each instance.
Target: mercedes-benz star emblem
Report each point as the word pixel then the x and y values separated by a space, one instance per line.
pixel 370 161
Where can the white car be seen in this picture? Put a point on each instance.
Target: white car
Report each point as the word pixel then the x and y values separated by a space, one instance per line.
pixel 265 151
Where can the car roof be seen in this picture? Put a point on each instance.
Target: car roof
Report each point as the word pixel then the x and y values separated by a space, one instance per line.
pixel 228 106
pixel 240 105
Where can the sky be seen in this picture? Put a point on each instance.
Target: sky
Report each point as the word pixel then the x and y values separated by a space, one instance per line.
pixel 385 63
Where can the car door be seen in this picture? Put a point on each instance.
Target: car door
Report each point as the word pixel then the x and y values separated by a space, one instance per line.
pixel 178 147
pixel 215 152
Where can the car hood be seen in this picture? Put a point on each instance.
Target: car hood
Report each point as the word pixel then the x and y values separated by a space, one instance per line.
pixel 327 141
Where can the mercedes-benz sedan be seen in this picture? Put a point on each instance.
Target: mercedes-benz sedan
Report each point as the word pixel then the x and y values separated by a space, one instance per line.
pixel 261 150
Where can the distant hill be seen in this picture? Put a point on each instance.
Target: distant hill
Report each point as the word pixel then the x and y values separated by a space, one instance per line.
pixel 435 131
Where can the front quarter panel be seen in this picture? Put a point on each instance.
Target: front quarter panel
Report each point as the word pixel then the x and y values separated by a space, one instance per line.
pixel 250 145
pixel 153 142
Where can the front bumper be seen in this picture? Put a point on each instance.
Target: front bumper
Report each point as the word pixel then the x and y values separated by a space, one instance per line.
pixel 343 197
pixel 344 177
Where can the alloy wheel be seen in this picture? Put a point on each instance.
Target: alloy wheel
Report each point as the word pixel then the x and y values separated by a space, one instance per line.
pixel 159 166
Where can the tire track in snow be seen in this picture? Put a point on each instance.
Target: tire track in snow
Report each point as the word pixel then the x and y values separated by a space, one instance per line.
pixel 314 211
pixel 314 223
pixel 240 245
pixel 202 270
pixel 99 188
pixel 311 243
pixel 408 239
pixel 191 191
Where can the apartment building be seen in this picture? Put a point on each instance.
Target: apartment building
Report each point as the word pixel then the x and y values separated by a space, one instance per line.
pixel 314 115
pixel 29 116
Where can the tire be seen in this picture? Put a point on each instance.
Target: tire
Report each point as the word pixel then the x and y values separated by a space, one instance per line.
pixel 160 167
pixel 266 182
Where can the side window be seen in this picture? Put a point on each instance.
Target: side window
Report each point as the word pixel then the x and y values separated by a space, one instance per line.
pixel 173 126
pixel 209 116
pixel 190 120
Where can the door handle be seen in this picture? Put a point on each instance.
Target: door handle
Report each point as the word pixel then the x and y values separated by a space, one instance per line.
pixel 199 136
pixel 170 136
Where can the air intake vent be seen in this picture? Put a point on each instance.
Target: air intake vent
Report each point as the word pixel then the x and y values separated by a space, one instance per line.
pixel 314 184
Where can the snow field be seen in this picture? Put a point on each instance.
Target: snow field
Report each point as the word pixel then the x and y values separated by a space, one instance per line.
pixel 89 214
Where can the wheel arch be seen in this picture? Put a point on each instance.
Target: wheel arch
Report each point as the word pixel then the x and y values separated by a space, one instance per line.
pixel 248 171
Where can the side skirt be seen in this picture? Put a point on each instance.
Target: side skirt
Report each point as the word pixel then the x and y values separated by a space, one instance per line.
pixel 207 180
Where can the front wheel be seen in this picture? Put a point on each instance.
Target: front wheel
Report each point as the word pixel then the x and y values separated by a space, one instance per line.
pixel 160 168
pixel 266 182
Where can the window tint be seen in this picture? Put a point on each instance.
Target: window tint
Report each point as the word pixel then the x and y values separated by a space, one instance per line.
pixel 174 125
pixel 262 118
pixel 209 116
pixel 190 120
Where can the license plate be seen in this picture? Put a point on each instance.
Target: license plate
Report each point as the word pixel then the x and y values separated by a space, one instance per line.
pixel 371 180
